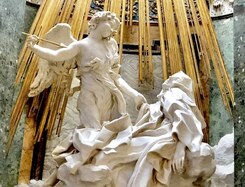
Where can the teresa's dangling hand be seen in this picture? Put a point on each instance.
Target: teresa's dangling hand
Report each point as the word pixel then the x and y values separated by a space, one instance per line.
pixel 178 161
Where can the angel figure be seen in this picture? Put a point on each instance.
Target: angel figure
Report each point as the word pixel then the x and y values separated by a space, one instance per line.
pixel 111 151
pixel 96 56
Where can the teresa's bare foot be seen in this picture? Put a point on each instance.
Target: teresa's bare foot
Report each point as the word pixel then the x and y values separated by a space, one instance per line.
pixel 179 159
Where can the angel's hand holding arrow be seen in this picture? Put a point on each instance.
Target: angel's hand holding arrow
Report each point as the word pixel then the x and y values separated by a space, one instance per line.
pixel 32 40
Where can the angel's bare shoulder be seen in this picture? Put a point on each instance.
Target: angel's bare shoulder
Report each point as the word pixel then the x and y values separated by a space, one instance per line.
pixel 77 47
pixel 113 43
pixel 83 44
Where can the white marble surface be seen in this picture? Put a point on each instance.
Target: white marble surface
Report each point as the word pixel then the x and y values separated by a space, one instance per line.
pixel 105 160
pixel 224 156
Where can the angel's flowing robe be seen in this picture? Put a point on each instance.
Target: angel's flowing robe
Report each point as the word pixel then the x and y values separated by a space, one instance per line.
pixel 100 98
pixel 123 154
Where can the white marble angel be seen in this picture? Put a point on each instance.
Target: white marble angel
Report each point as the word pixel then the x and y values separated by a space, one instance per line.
pixel 97 63
pixel 165 140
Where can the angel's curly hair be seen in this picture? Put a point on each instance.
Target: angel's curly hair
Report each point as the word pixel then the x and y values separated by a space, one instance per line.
pixel 103 16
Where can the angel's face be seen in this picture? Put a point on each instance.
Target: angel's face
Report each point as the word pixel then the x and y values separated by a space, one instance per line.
pixel 107 28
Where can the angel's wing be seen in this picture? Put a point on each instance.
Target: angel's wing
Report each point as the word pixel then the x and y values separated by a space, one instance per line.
pixel 48 72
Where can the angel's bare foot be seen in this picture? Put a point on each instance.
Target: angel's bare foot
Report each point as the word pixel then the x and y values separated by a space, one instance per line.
pixel 179 159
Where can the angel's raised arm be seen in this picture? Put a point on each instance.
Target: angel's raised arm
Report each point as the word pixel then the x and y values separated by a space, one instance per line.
pixel 61 54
